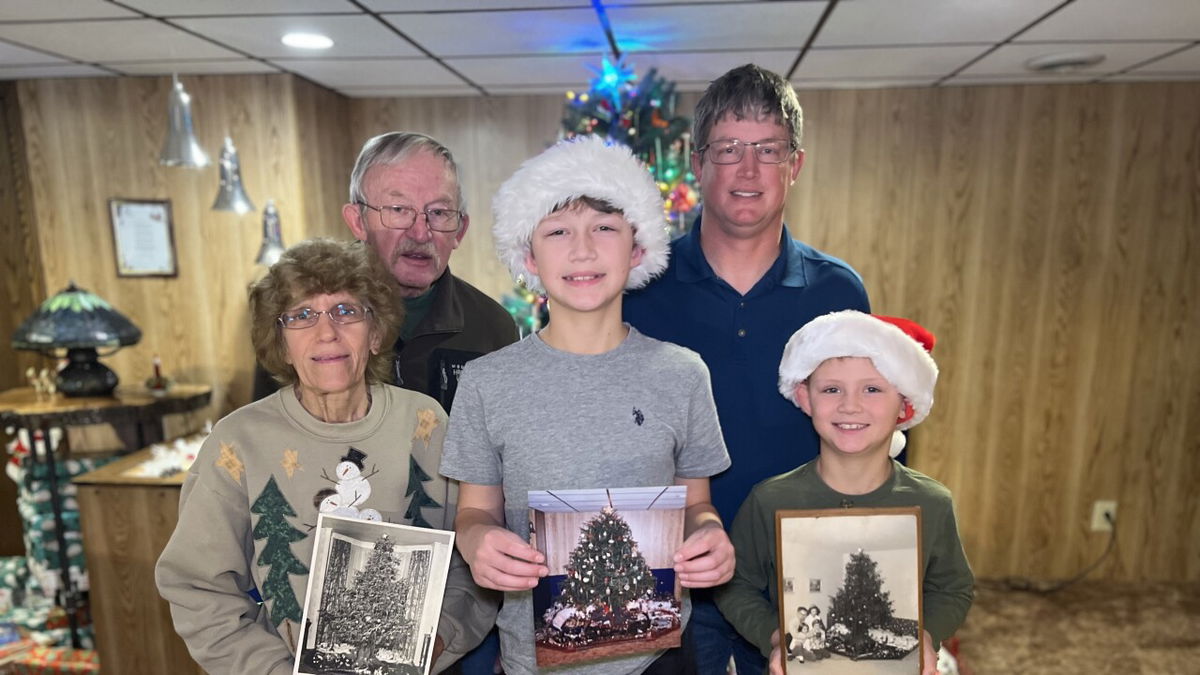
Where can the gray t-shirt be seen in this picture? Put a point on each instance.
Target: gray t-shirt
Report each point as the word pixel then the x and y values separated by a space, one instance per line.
pixel 531 417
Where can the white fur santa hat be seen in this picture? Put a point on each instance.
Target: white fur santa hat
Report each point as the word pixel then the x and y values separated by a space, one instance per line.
pixel 899 349
pixel 581 167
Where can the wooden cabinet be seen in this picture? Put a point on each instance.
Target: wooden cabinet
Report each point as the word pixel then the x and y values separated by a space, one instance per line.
pixel 126 523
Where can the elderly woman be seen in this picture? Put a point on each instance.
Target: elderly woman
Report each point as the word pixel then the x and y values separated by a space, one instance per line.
pixel 332 440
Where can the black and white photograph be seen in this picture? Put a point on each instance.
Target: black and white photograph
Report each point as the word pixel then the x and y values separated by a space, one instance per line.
pixel 868 619
pixel 373 598
pixel 612 589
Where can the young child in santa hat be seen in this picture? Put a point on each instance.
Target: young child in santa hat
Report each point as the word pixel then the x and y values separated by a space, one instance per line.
pixel 587 401
pixel 863 379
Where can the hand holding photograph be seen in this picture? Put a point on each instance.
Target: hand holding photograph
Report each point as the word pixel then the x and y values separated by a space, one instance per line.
pixel 612 589
pixel 374 597
pixel 870 621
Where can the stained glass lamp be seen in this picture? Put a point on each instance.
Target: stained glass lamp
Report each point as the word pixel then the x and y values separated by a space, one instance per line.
pixel 79 322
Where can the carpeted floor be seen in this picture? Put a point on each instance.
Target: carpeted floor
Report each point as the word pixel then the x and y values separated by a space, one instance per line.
pixel 1091 628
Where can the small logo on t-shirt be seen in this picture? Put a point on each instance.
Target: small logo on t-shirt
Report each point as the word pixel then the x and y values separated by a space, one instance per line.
pixel 638 417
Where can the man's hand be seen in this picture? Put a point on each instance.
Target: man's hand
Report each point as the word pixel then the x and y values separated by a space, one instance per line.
pixel 706 557
pixel 929 655
pixel 775 661
pixel 500 560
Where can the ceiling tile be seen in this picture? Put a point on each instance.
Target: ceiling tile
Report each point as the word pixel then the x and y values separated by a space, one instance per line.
pixel 452 5
pixel 709 27
pixel 238 66
pixel 372 72
pixel 1185 61
pixel 390 92
pixel 353 36
pixel 559 31
pixel 1010 59
pixel 707 66
pixel 884 62
pixel 1030 79
pixel 863 83
pixel 1121 20
pixel 569 70
pixel 114 40
pixel 226 7
pixel 915 22
pixel 43 10
pixel 40 72
pixel 12 54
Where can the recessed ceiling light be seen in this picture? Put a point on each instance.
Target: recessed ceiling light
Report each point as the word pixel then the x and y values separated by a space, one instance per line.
pixel 306 41
pixel 1064 62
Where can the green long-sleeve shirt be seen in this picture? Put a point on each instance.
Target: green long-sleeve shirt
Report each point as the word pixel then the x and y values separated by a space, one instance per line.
pixel 948 584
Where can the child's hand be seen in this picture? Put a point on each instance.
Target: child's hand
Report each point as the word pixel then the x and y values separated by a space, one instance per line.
pixel 706 558
pixel 500 559
pixel 774 662
pixel 929 654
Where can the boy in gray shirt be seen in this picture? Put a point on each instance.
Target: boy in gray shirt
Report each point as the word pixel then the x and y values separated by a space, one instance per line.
pixel 587 402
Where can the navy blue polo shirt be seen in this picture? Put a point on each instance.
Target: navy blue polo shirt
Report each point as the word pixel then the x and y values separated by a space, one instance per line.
pixel 741 338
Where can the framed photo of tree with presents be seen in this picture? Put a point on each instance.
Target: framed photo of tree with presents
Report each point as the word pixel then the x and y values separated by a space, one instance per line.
pixel 374 597
pixel 867 618
pixel 611 590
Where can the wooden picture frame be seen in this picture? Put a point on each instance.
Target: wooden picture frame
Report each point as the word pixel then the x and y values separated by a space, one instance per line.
pixel 143 237
pixel 870 561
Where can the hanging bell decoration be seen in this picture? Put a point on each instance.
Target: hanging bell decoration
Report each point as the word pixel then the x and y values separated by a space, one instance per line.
pixel 272 243
pixel 181 148
pixel 231 196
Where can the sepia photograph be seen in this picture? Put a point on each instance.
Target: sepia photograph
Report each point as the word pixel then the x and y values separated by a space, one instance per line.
pixel 611 590
pixel 867 621
pixel 373 598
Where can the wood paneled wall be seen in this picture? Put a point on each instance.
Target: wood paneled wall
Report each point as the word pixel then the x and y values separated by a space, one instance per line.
pixel 90 140
pixel 1047 234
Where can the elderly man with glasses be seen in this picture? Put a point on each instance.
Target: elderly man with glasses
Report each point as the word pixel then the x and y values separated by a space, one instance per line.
pixel 406 202
pixel 737 287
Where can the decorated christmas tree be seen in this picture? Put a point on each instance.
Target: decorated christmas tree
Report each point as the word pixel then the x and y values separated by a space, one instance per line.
pixel 606 570
pixel 273 525
pixel 860 607
pixel 375 616
pixel 640 113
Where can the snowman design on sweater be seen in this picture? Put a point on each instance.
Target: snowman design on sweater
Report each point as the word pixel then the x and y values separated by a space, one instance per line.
pixel 351 489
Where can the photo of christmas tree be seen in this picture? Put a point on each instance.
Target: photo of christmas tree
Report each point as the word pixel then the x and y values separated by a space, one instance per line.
pixel 869 618
pixel 373 598
pixel 611 590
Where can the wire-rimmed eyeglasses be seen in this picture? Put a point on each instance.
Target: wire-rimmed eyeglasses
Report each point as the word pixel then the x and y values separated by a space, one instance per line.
pixel 306 317
pixel 731 151
pixel 400 217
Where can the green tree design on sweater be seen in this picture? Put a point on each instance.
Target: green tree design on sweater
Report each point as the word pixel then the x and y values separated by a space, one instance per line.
pixel 273 510
pixel 416 489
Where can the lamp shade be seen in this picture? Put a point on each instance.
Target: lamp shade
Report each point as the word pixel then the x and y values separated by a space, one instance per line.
pixel 180 148
pixel 231 195
pixel 79 322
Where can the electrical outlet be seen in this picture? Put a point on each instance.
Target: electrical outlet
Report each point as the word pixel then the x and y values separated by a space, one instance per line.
pixel 1104 514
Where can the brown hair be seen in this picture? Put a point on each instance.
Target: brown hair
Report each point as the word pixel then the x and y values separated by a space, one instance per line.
pixel 316 267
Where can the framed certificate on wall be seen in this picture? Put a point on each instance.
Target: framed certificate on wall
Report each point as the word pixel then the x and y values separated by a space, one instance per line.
pixel 143 238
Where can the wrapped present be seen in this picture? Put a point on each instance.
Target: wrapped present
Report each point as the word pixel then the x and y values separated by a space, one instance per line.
pixel 55 661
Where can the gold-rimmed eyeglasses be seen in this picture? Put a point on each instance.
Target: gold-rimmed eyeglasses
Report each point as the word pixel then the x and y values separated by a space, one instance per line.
pixel 400 217
pixel 731 151
pixel 306 317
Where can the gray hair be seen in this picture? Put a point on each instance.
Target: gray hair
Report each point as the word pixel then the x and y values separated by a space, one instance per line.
pixel 394 147
pixel 748 92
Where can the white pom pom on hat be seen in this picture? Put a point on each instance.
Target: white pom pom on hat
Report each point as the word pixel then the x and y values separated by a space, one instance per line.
pixel 586 166
pixel 899 349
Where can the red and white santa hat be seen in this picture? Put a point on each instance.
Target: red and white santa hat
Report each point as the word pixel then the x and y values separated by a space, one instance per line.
pixel 899 349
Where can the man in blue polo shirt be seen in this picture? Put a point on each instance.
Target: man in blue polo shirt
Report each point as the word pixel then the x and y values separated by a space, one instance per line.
pixel 736 289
